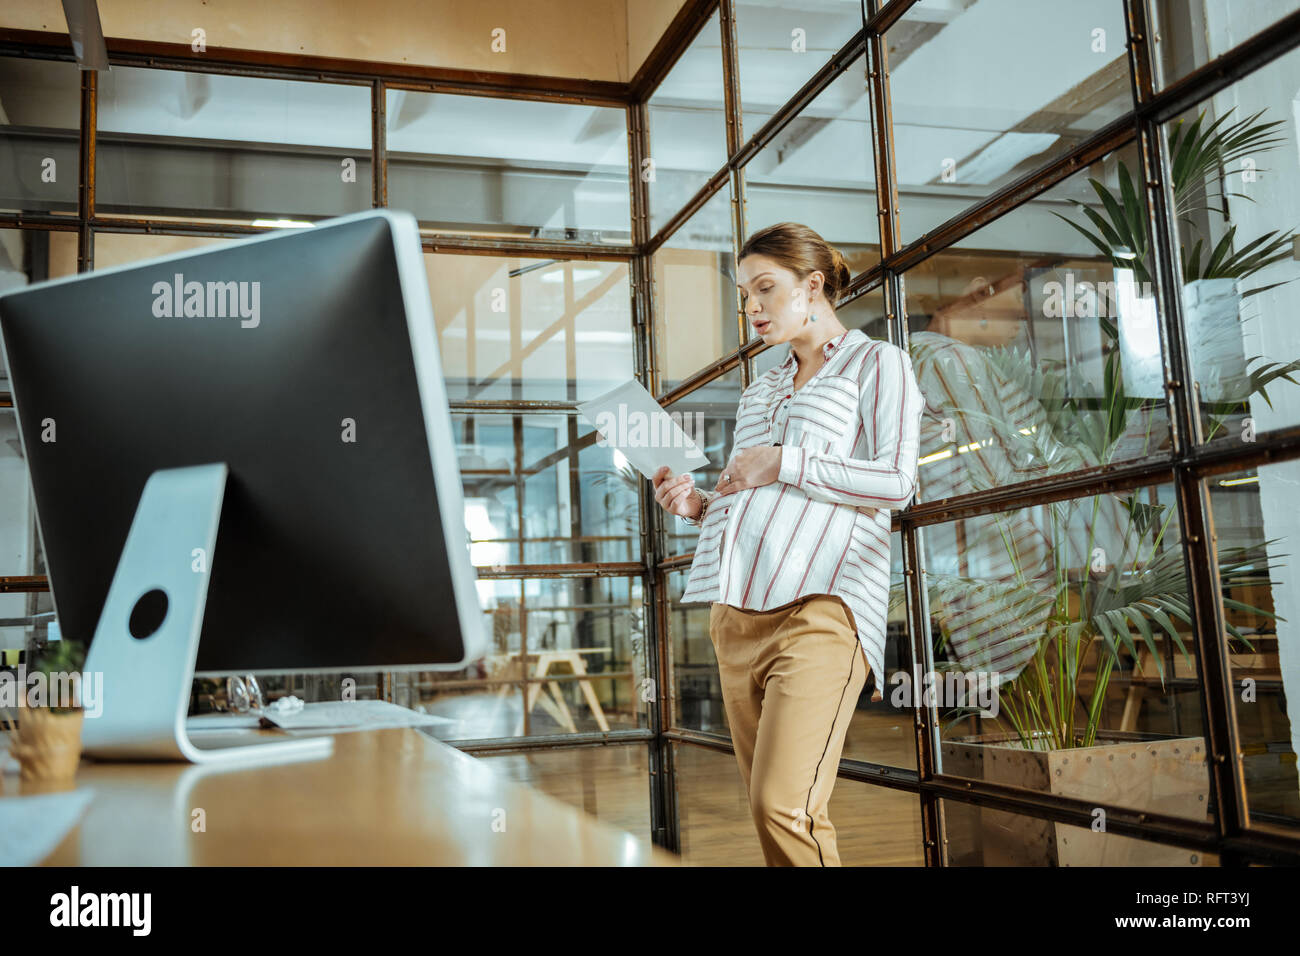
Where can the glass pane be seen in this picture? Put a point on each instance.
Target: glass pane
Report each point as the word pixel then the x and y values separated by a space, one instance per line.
pixel 17 641
pixel 1084 601
pixel 539 490
pixel 715 825
pixel 697 695
pixel 781 47
pixel 39 135
pixel 505 167
pixel 978 836
pixel 1038 362
pixel 874 826
pixel 530 329
pixel 610 783
pixel 773 356
pixel 1256 527
pixel 866 312
pixel 21 554
pixel 232 148
pixel 983 93
pixel 1189 35
pixel 1236 184
pixel 688 133
pixel 882 731
pixel 122 248
pixel 708 415
pixel 26 256
pixel 820 171
pixel 696 304
pixel 579 642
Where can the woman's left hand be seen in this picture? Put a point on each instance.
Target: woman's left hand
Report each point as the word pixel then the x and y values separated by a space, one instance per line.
pixel 750 468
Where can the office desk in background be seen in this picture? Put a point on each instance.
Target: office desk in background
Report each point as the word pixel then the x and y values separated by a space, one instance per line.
pixel 384 797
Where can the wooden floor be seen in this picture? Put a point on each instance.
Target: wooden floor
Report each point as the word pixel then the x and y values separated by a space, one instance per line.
pixel 875 826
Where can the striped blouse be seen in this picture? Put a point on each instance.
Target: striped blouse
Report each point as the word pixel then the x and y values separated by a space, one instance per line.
pixel 849 439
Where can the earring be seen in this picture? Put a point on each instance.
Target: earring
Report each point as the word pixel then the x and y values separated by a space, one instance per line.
pixel 984 323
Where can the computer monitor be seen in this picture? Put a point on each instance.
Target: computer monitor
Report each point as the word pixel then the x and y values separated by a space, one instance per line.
pixel 306 361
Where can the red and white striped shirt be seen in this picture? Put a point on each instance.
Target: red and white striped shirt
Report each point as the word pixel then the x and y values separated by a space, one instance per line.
pixel 849 439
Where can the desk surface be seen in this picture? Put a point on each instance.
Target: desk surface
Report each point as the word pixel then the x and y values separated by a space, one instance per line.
pixel 384 797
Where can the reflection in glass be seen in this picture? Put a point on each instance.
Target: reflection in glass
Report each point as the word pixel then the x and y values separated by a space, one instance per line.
pixel 780 47
pixel 687 131
pixel 1063 654
pixel 1235 182
pixel 980 836
pixel 241 148
pixel 578 642
pixel 530 329
pixel 539 489
pixel 607 782
pixel 697 304
pixel 40 109
pixel 1256 521
pixel 715 824
pixel 506 167
pixel 1189 35
pixel 881 732
pixel 697 694
pixel 983 93
pixel 875 826
pixel 1036 364
pixel 819 170
pixel 122 248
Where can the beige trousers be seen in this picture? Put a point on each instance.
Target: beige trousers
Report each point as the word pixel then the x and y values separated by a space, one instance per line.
pixel 790 679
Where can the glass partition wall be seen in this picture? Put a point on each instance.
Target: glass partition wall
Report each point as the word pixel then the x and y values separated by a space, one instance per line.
pixel 1088 252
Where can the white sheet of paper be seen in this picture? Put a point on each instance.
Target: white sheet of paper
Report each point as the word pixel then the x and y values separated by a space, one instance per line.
pixel 629 419
pixel 32 827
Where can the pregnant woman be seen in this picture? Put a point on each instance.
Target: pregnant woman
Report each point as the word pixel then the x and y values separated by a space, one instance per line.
pixel 793 551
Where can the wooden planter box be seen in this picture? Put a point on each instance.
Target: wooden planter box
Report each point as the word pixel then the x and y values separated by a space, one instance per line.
pixel 1138 771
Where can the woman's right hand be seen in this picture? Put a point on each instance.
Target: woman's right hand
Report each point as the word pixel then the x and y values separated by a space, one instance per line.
pixel 677 495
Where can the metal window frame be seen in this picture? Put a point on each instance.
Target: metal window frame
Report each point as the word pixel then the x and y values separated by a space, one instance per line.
pixel 1231 836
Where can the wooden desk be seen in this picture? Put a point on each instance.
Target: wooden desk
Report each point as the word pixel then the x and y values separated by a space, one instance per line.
pixel 384 797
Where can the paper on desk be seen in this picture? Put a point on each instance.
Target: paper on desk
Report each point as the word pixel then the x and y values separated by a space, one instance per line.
pixel 340 715
pixel 31 828
pixel 629 419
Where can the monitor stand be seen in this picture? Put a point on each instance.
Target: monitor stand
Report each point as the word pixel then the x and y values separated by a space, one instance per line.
pixel 147 640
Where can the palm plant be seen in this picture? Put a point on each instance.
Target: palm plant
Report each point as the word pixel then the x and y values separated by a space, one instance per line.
pixel 1198 153
pixel 1112 607
pixel 1111 610
pixel 1107 608
pixel 1195 154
